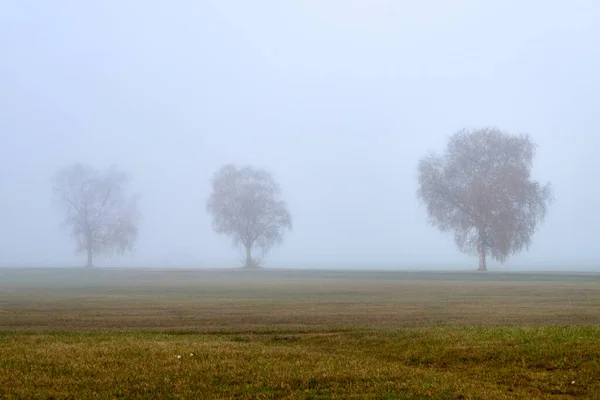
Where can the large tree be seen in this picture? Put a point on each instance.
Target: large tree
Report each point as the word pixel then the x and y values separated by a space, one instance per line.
pixel 245 204
pixel 482 190
pixel 100 215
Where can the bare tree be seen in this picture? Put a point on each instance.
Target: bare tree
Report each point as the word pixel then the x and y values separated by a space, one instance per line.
pixel 245 205
pixel 481 189
pixel 101 217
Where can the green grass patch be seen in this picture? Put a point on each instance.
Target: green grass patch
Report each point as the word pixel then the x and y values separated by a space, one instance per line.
pixel 429 362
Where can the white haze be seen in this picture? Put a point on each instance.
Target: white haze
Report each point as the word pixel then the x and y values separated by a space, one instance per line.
pixel 337 98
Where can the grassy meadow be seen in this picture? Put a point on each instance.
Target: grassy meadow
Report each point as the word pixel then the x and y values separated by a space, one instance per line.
pixel 265 334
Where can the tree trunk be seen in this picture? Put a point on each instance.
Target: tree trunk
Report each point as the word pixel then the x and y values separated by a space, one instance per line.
pixel 88 241
pixel 249 263
pixel 89 258
pixel 481 248
pixel 482 263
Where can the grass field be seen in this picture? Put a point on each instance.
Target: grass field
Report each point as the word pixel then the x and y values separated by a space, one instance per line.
pixel 109 333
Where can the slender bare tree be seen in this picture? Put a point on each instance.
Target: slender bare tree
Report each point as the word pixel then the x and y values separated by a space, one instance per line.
pixel 101 217
pixel 481 189
pixel 245 204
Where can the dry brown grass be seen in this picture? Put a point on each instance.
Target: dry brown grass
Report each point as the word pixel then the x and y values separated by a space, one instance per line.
pixel 242 300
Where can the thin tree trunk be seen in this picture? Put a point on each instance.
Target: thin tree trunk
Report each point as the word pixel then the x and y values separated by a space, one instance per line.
pixel 249 263
pixel 482 262
pixel 88 241
pixel 89 258
pixel 482 250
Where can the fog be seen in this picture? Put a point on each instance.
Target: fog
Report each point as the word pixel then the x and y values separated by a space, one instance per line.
pixel 338 99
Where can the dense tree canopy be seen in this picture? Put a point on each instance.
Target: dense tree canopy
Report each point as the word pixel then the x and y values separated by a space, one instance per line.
pixel 481 189
pixel 245 204
pixel 101 217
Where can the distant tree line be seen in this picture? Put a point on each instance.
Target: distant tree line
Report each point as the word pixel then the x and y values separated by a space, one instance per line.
pixel 480 189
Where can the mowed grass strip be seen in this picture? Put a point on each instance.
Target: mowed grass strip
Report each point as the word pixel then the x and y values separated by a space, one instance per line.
pixel 236 300
pixel 444 362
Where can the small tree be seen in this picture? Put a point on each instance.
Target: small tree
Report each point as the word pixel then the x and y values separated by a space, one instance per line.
pixel 245 205
pixel 482 190
pixel 101 217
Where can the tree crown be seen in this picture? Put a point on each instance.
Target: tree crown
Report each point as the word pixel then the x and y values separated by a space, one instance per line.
pixel 245 204
pixel 481 188
pixel 101 217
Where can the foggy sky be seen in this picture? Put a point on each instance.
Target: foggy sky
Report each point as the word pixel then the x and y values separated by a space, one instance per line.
pixel 337 98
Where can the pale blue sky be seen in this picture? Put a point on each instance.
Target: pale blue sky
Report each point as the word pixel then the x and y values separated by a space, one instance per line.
pixel 338 98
